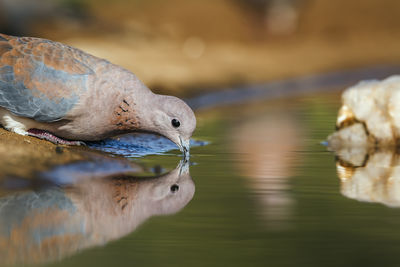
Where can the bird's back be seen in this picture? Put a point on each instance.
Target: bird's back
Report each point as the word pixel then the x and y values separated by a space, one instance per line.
pixel 42 79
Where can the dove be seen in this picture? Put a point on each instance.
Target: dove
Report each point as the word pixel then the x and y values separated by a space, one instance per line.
pixel 61 94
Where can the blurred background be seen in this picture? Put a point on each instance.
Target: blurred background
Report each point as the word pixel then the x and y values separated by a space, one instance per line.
pixel 266 189
pixel 185 47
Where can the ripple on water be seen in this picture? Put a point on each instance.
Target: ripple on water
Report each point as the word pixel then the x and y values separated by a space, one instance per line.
pixel 139 145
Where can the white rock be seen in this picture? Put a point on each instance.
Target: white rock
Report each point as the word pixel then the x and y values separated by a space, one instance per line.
pixel 370 114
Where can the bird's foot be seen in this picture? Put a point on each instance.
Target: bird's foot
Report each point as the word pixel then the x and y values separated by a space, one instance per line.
pixel 41 134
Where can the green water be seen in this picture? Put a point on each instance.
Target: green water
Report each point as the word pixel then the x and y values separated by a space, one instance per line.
pixel 266 194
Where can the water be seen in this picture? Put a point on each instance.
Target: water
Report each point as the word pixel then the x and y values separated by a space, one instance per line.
pixel 263 191
pixel 139 145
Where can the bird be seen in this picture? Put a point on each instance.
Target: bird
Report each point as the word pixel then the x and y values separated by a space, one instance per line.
pixel 64 95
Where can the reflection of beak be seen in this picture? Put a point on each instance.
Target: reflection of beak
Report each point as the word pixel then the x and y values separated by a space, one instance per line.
pixel 183 167
pixel 184 146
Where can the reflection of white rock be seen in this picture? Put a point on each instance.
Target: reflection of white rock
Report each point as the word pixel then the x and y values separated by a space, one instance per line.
pixel 372 109
pixel 377 181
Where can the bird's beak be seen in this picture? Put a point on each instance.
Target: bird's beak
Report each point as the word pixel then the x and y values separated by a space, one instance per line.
pixel 184 146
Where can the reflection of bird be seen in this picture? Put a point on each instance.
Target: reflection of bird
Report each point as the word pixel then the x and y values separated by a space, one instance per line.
pixel 50 224
pixel 369 115
pixel 376 180
pixel 53 91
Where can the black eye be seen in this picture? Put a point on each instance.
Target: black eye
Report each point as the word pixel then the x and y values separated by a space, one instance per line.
pixel 174 188
pixel 175 123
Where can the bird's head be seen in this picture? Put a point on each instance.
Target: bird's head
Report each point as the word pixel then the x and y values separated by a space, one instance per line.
pixel 172 118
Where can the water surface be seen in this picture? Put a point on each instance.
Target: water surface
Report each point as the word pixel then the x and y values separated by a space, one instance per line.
pixel 261 192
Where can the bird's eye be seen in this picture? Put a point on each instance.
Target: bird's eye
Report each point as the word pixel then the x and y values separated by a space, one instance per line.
pixel 175 123
pixel 174 188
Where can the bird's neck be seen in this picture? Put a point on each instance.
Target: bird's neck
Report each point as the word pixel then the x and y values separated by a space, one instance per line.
pixel 148 105
pixel 134 112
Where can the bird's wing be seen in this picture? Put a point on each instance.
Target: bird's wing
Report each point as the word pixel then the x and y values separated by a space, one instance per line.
pixel 41 79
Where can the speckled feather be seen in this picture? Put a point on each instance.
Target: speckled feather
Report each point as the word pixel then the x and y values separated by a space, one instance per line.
pixel 41 79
